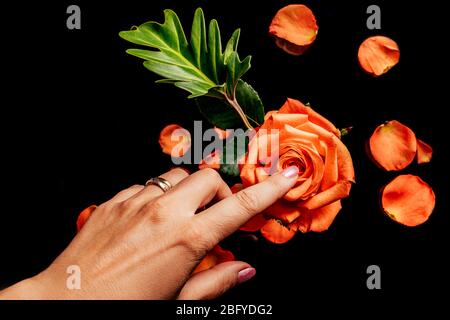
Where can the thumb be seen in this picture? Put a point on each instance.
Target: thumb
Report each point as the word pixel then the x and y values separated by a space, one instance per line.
pixel 214 282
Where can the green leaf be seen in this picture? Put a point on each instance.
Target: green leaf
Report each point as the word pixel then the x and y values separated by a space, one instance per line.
pixel 198 40
pixel 219 113
pixel 232 45
pixel 200 67
pixel 236 69
pixel 234 149
pixel 216 58
pixel 185 64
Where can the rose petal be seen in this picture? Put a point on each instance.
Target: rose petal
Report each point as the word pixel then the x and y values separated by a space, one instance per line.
pixel 346 176
pixel 393 146
pixel 317 220
pixel 291 48
pixel 408 200
pixel 276 232
pixel 294 28
pixel 331 172
pixel 283 210
pixel 424 152
pixel 174 140
pixel 378 54
pixel 222 134
pixel 337 192
pixel 248 176
pixel 211 161
pixel 84 216
pixel 236 187
pixel 295 106
pixel 290 132
pixel 293 119
pixel 214 257
pixel 323 217
pixel 297 192
pixel 254 224
pixel 302 223
pixel 346 171
pixel 300 137
pixel 261 174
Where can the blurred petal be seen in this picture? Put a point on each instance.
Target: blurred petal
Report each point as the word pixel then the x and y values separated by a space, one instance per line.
pixel 294 28
pixel 276 232
pixel 236 187
pixel 211 161
pixel 378 54
pixel 84 216
pixel 214 257
pixel 174 140
pixel 408 200
pixel 222 134
pixel 393 146
pixel 248 176
pixel 424 152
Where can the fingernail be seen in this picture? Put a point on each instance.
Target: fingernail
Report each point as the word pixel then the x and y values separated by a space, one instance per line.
pixel 246 274
pixel 290 172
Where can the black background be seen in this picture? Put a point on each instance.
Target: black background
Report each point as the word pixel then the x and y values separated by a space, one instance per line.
pixel 81 121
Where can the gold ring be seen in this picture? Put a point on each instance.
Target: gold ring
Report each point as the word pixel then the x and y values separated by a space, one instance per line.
pixel 162 183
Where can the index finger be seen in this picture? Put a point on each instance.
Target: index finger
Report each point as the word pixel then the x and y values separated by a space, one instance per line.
pixel 226 216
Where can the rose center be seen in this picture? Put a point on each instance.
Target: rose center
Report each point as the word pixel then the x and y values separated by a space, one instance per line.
pixel 293 158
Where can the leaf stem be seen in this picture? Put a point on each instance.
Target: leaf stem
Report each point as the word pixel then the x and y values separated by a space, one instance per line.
pixel 234 103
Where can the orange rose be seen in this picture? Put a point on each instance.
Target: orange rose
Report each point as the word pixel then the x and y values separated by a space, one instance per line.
pixel 311 142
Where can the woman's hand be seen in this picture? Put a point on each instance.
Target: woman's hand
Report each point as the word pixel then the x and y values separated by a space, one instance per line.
pixel 144 244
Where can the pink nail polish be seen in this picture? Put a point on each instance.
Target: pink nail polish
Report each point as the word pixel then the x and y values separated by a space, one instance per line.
pixel 246 274
pixel 290 172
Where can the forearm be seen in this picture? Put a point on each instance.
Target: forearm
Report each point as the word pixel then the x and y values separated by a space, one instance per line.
pixel 28 289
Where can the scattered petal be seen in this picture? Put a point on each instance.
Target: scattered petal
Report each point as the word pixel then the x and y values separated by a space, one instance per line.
pixel 214 257
pixel 276 232
pixel 84 216
pixel 175 140
pixel 424 152
pixel 393 146
pixel 294 28
pixel 408 200
pixel 378 54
